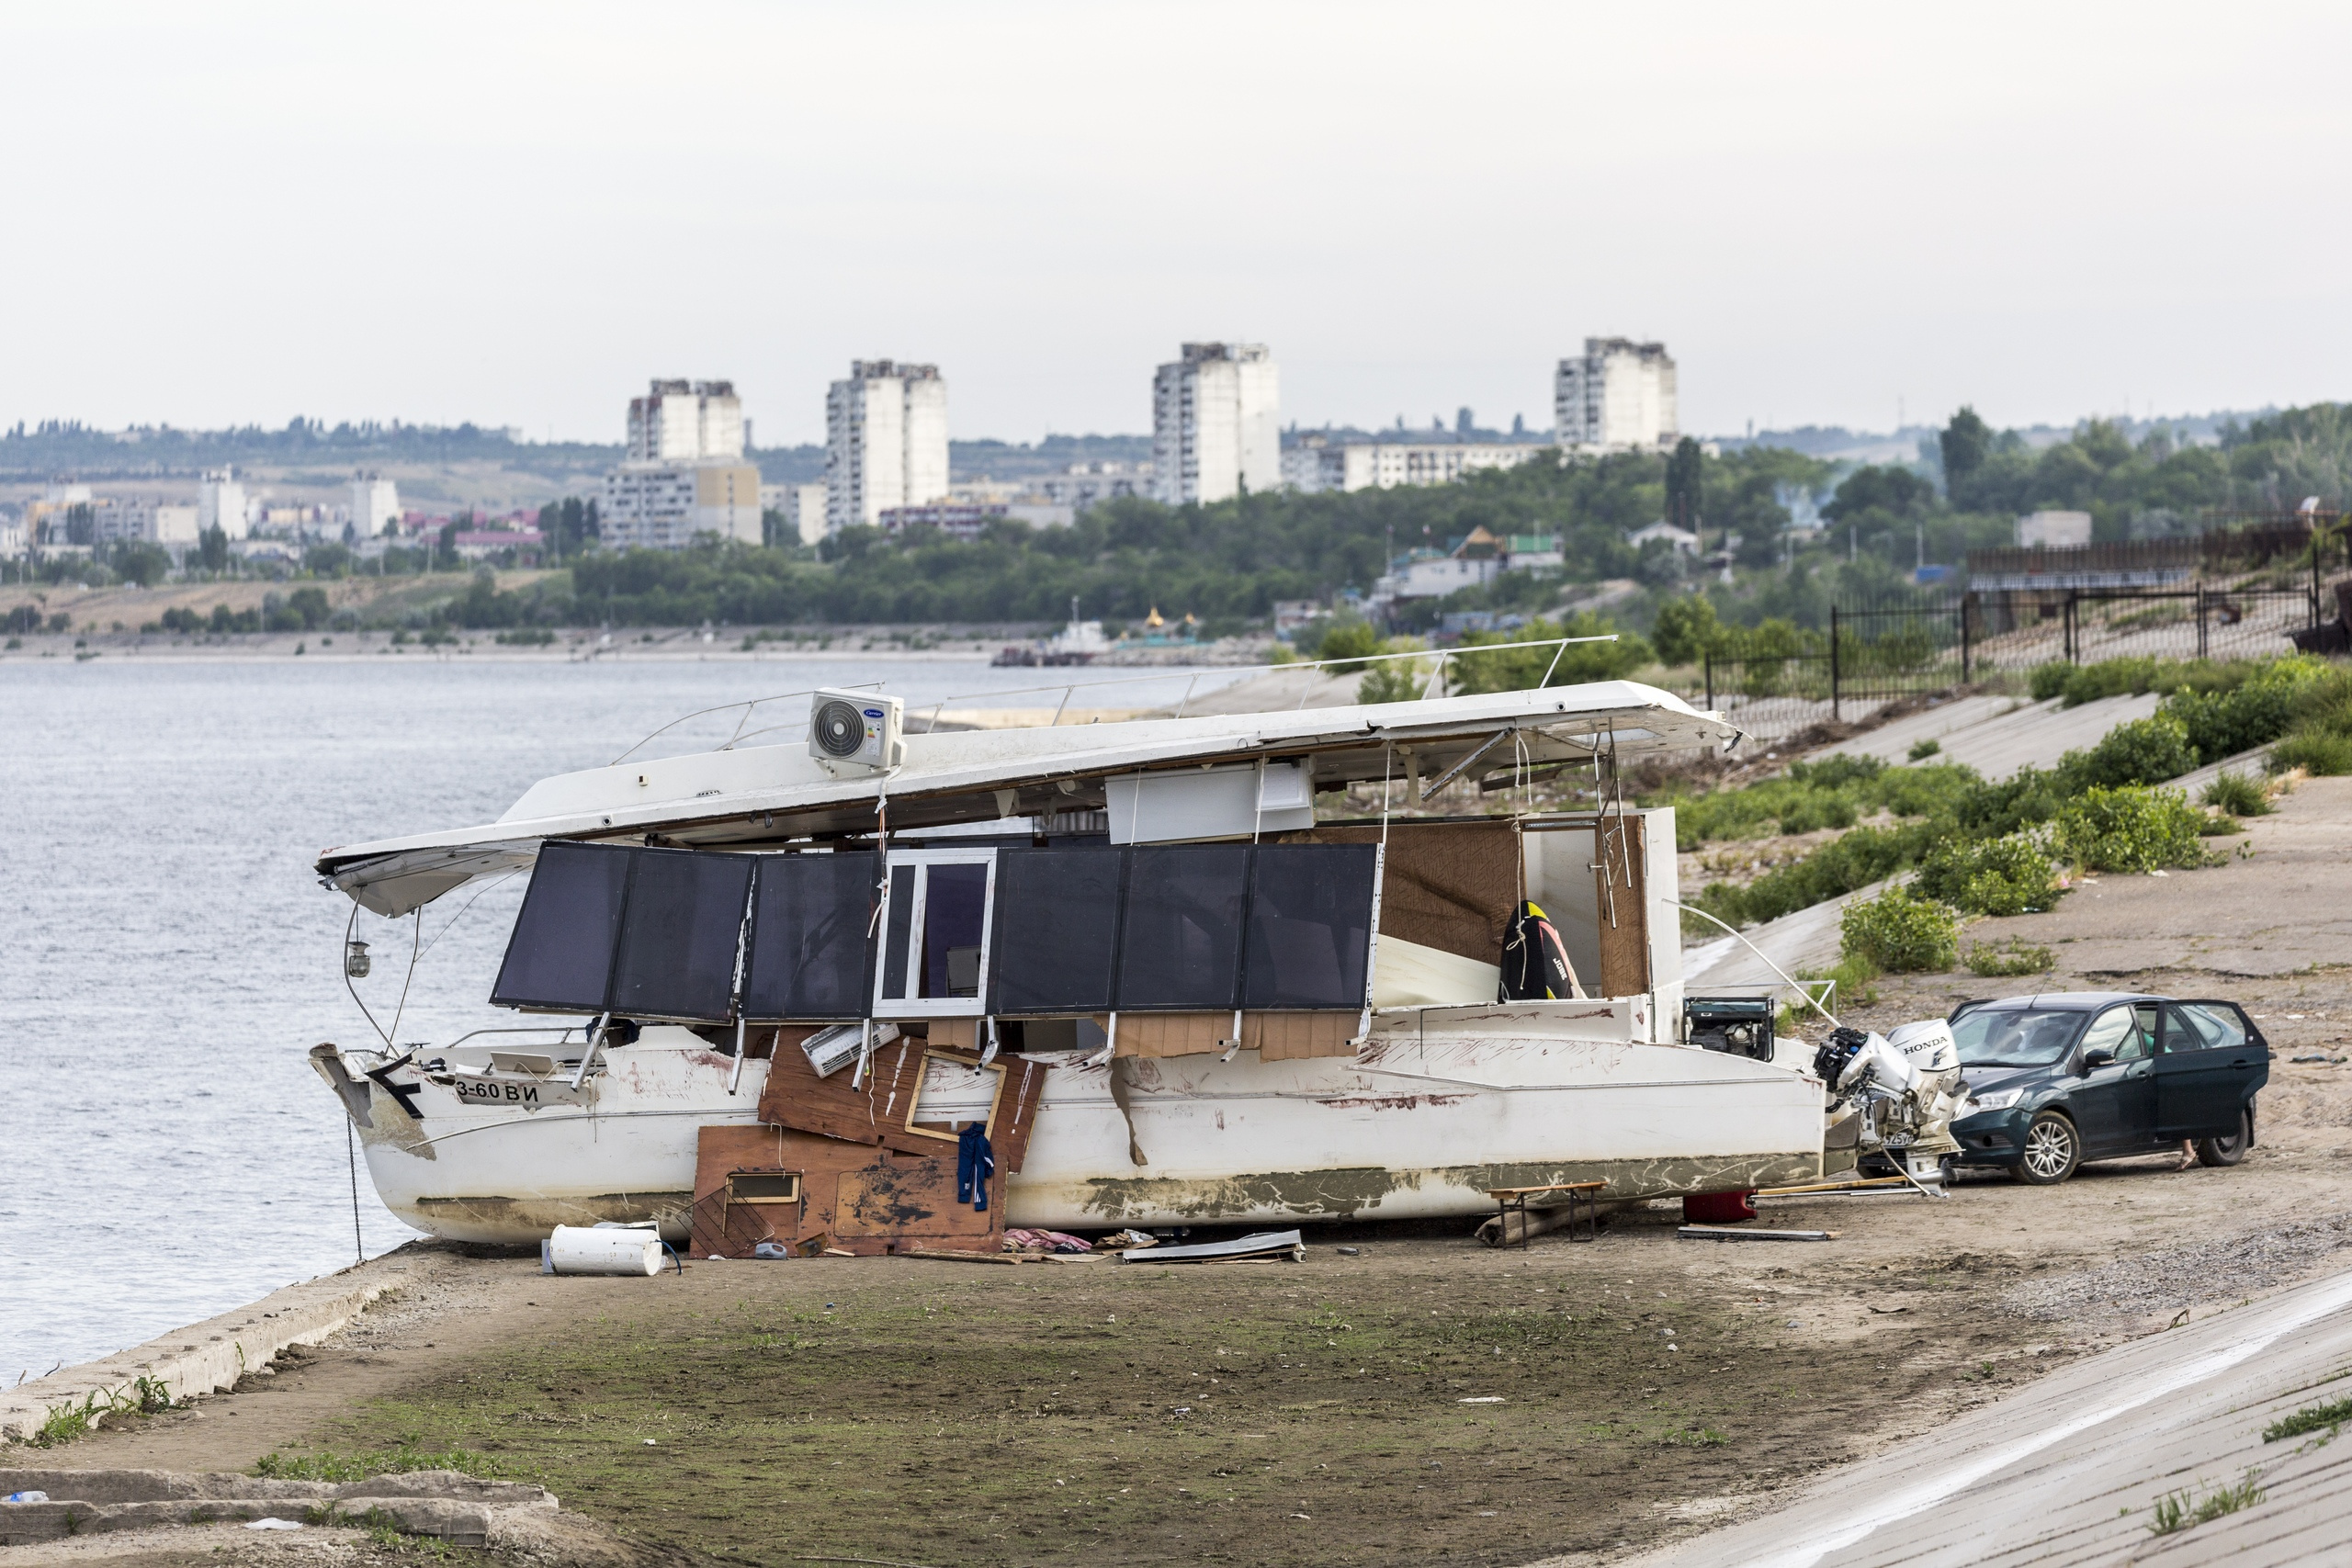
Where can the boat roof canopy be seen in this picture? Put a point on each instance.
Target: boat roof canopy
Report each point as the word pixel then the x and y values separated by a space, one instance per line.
pixel 748 797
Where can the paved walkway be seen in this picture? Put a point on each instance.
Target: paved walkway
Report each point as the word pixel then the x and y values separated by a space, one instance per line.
pixel 2071 1470
pixel 1996 736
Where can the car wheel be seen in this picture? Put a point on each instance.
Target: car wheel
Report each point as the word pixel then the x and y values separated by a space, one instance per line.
pixel 2052 1151
pixel 2224 1151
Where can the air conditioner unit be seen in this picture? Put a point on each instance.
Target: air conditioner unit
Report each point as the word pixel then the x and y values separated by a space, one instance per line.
pixel 855 732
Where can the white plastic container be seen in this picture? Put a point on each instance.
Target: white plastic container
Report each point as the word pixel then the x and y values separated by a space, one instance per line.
pixel 595 1249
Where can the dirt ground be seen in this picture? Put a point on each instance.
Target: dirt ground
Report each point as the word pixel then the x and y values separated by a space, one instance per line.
pixel 1423 1400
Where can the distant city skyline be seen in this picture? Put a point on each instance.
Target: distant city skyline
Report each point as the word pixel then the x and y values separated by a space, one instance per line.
pixel 1831 214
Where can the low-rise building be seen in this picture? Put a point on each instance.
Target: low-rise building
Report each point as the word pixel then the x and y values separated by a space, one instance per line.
pixel 2053 530
pixel 1684 541
pixel 1315 463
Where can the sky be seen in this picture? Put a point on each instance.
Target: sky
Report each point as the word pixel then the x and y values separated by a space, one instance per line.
pixel 517 213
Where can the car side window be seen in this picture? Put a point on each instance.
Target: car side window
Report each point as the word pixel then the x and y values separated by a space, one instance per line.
pixel 2141 1041
pixel 2111 1032
pixel 2192 1026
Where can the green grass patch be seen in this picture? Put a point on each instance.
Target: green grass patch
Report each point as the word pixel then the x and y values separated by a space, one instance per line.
pixel 350 1466
pixel 2177 1511
pixel 2329 1418
pixel 2003 962
pixel 2240 794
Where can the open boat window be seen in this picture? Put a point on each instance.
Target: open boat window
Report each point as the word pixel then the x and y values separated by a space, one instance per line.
pixel 937 918
pixel 560 957
pixel 1057 929
pixel 1310 925
pixel 811 920
pixel 681 935
pixel 1180 943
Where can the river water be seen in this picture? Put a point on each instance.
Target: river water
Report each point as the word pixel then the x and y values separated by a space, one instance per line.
pixel 167 957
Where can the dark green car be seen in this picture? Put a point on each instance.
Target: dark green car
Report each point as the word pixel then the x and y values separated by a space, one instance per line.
pixel 2055 1080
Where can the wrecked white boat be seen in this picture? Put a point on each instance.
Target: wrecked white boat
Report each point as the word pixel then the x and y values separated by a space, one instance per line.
pixel 1246 1009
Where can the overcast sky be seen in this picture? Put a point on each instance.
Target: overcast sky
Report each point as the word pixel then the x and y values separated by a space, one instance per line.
pixel 517 213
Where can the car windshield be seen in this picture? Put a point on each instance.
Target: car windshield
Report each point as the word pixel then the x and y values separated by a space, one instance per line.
pixel 2016 1037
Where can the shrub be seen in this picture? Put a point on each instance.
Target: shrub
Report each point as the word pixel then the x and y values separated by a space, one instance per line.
pixel 2315 752
pixel 1394 681
pixel 2007 876
pixel 2048 680
pixel 1346 640
pixel 1901 934
pixel 1921 751
pixel 2257 709
pixel 2107 678
pixel 2240 794
pixel 2144 751
pixel 2002 962
pixel 2131 828
pixel 1859 859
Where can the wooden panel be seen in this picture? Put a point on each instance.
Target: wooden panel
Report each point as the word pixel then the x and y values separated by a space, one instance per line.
pixel 1016 1112
pixel 796 1098
pixel 1292 1036
pixel 1170 1034
pixel 1625 941
pixel 908 1199
pixel 1451 886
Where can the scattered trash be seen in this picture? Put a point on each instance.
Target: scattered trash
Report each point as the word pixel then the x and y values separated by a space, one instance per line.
pixel 1887 1311
pixel 1482 1399
pixel 1264 1247
pixel 275 1524
pixel 2317 1058
pixel 952 1255
pixel 770 1249
pixel 1723 1232
pixel 1045 1241
pixel 1794 1324
pixel 1128 1241
pixel 652 1443
pixel 1351 1252
pixel 26 1497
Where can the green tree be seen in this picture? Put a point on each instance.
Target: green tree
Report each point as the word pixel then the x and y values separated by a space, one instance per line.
pixel 1519 669
pixel 212 548
pixel 1685 471
pixel 138 561
pixel 1965 442
pixel 1685 629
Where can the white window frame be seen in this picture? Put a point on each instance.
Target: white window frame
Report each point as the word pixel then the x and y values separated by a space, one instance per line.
pixel 910 982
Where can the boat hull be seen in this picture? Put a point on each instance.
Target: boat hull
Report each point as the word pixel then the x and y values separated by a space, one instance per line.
pixel 1439 1106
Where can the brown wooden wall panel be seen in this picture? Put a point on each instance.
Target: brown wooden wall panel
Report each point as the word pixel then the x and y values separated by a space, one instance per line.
pixel 834 1171
pixel 1625 944
pixel 1451 886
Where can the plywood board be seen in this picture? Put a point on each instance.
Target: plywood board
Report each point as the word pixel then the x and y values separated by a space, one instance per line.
pixel 1451 886
pixel 909 1199
pixel 1619 896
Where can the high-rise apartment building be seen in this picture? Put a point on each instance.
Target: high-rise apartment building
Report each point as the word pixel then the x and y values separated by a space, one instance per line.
pixel 221 502
pixel 886 441
pixel 1216 424
pixel 685 478
pixel 375 500
pixel 1619 397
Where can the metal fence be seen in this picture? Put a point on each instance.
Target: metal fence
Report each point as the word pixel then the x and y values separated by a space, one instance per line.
pixel 1774 683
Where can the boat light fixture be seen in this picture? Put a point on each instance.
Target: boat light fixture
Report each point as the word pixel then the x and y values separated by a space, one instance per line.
pixel 355 962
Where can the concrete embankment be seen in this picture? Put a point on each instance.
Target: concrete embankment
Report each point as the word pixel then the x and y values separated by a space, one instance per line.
pixel 2077 1469
pixel 204 1357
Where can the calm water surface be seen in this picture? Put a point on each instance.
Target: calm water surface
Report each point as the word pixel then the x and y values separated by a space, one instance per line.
pixel 166 956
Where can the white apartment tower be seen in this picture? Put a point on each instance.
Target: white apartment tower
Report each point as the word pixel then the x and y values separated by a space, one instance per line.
pixel 1618 397
pixel 221 502
pixel 375 500
pixel 886 441
pixel 1216 424
pixel 684 476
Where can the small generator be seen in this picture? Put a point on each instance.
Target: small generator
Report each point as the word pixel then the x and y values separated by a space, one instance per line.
pixel 1739 1026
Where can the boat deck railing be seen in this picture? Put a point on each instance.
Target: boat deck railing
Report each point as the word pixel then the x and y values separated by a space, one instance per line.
pixel 1061 691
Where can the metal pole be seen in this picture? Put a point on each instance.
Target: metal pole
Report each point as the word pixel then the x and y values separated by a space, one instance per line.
pixel 2200 623
pixel 1964 602
pixel 1836 695
pixel 1709 659
pixel 2070 625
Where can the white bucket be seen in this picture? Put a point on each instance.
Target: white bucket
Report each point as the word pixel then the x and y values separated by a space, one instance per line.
pixel 592 1250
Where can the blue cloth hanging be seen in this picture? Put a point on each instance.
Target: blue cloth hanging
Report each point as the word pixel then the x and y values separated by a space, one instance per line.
pixel 975 1163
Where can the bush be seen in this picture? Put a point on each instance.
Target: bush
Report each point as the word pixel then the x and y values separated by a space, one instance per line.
pixel 2257 709
pixel 2144 751
pixel 1901 934
pixel 1921 751
pixel 2315 752
pixel 1859 859
pixel 1346 640
pixel 2007 876
pixel 2240 794
pixel 1997 962
pixel 2131 830
pixel 2048 681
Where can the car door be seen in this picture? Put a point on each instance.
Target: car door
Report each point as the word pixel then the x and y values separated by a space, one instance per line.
pixel 2114 1104
pixel 2211 1064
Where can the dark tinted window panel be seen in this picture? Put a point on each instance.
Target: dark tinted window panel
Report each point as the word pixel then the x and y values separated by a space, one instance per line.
pixel 679 935
pixel 955 912
pixel 808 937
pixel 561 955
pixel 1179 944
pixel 1056 930
pixel 1310 921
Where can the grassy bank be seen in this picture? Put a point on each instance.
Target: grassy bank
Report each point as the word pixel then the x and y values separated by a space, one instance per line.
pixel 933 1414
